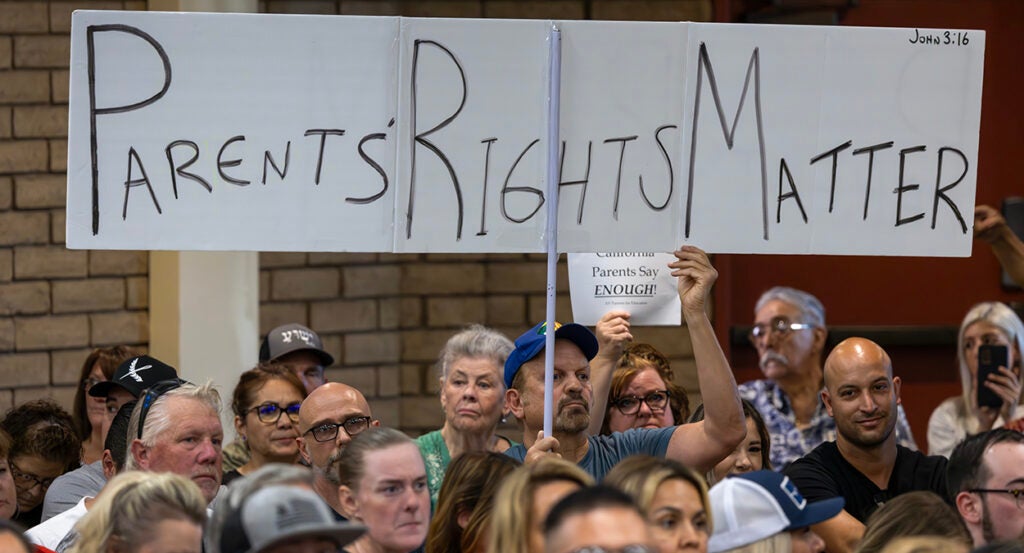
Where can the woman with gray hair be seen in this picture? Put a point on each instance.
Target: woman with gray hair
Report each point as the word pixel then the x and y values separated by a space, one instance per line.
pixel 988 323
pixel 472 398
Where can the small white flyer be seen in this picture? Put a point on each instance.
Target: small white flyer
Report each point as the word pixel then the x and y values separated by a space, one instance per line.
pixel 637 282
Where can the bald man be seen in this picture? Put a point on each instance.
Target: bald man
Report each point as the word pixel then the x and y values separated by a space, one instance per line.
pixel 330 416
pixel 864 464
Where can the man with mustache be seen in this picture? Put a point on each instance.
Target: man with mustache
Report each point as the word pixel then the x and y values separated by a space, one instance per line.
pixel 330 416
pixel 175 427
pixel 986 482
pixel 864 464
pixel 789 334
pixel 699 445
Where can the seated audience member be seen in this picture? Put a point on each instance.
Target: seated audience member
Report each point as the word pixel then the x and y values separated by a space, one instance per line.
pixel 913 514
pixel 53 532
pixel 462 519
pixel 932 544
pixel 701 444
pixel 865 465
pixel 674 498
pixel 90 412
pixel 127 383
pixel 301 351
pixel 144 512
pixel 286 519
pixel 524 499
pixel 986 484
pixel 176 428
pixel 229 504
pixel 597 518
pixel 988 323
pixel 44 445
pixel 763 512
pixel 472 399
pixel 12 540
pixel 990 226
pixel 643 391
pixel 329 419
pixel 384 487
pixel 752 454
pixel 789 334
pixel 266 404
pixel 8 492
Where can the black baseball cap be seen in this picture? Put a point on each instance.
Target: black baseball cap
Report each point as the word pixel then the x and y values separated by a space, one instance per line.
pixel 290 338
pixel 135 375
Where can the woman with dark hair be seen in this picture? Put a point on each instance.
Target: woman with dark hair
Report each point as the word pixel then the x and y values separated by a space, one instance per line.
pixel 44 445
pixel 88 412
pixel 266 405
pixel 753 453
pixel 462 520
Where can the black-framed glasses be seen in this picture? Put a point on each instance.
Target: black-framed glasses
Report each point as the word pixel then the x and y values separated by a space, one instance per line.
pixel 329 431
pixel 630 405
pixel 270 412
pixel 152 393
pixel 26 481
pixel 1018 494
pixel 88 383
pixel 778 325
pixel 632 548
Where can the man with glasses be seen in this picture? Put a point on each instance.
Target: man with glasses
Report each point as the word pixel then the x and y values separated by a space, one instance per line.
pixel 986 484
pixel 864 464
pixel 597 519
pixel 175 427
pixel 328 419
pixel 789 334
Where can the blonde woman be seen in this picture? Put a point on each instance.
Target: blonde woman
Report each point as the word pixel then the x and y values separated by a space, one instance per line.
pixel 674 498
pixel 524 499
pixel 144 512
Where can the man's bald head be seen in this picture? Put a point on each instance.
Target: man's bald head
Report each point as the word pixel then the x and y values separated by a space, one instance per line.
pixel 330 396
pixel 336 407
pixel 853 353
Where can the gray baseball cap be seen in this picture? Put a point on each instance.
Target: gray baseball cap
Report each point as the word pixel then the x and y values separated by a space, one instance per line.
pixel 282 513
pixel 290 338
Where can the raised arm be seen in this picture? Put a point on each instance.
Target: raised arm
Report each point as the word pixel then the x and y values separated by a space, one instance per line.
pixel 703 444
pixel 990 226
pixel 612 336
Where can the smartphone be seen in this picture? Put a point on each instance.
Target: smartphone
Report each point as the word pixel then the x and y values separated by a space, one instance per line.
pixel 990 358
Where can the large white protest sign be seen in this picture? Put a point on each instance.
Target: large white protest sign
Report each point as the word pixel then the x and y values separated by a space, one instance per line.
pixel 329 133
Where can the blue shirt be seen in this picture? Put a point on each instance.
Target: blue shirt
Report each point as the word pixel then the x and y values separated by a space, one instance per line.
pixel 789 443
pixel 606 451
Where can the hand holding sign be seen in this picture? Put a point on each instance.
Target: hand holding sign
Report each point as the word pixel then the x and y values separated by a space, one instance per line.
pixel 696 276
pixel 613 334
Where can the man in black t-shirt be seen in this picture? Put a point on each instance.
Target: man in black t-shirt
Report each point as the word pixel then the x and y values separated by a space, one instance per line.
pixel 865 465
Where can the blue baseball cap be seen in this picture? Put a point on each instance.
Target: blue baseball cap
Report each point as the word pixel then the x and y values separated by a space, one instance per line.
pixel 757 505
pixel 532 343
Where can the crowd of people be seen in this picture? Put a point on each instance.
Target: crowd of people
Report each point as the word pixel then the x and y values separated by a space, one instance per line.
pixel 816 456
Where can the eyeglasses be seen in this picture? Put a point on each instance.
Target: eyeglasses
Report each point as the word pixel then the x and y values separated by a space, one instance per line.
pixel 329 431
pixel 1018 494
pixel 632 548
pixel 152 393
pixel 656 401
pixel 88 383
pixel 270 412
pixel 778 325
pixel 26 481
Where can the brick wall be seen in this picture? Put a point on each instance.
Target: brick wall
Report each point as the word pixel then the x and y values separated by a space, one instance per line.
pixel 384 317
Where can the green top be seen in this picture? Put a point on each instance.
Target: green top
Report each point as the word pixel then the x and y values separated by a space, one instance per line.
pixel 436 458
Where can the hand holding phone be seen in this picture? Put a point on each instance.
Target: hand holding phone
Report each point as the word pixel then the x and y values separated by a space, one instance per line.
pixel 990 358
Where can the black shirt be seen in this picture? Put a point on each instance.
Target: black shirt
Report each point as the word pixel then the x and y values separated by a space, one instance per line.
pixel 824 473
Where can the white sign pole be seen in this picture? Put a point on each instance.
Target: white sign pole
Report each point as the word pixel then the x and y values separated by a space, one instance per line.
pixel 550 230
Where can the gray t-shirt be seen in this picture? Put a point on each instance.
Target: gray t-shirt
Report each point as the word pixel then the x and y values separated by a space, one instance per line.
pixel 607 450
pixel 68 489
